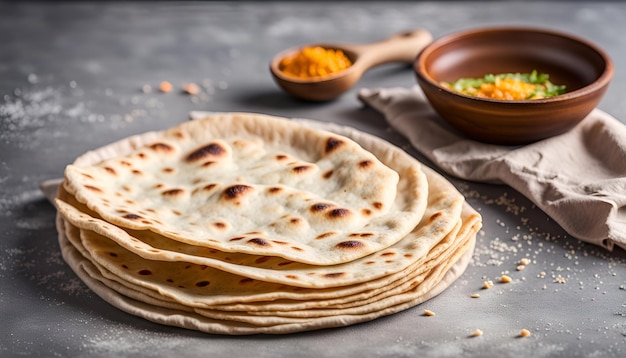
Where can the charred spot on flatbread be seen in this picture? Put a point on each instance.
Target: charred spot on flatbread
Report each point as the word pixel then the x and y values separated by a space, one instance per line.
pixel 211 150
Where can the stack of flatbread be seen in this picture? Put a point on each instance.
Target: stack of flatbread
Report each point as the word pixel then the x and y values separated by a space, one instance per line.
pixel 242 223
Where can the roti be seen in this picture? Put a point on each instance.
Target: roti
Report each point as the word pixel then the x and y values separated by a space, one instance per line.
pixel 199 285
pixel 221 292
pixel 442 214
pixel 259 185
pixel 180 316
pixel 164 262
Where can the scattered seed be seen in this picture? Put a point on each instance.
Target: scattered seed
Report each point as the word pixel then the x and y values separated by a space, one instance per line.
pixel 524 333
pixel 32 78
pixel 191 88
pixel 165 87
pixel 477 333
pixel 505 279
pixel 487 284
pixel 429 313
pixel 475 295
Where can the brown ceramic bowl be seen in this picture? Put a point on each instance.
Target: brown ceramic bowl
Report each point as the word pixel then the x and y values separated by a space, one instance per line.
pixel 585 69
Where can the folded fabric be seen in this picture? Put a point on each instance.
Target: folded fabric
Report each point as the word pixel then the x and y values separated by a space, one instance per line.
pixel 578 178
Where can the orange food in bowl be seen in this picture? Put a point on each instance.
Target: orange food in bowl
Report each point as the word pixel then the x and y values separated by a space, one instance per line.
pixel 507 86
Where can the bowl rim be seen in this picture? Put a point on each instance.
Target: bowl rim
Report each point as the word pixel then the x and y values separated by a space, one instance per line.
pixel 600 82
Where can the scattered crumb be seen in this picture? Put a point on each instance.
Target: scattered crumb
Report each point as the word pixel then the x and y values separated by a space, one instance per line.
pixel 165 87
pixel 518 244
pixel 146 89
pixel 32 78
pixel 191 88
pixel 522 264
pixel 505 279
pixel 429 313
pixel 475 295
pixel 477 333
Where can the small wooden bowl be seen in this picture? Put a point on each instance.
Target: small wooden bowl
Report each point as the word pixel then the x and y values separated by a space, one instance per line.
pixel 400 47
pixel 584 68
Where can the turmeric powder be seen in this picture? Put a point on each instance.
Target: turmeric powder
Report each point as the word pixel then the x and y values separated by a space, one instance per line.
pixel 315 62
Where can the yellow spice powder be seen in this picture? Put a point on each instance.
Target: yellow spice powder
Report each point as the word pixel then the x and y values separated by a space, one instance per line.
pixel 315 62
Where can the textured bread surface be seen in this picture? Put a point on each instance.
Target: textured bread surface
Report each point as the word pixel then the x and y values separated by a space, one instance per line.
pixel 257 184
pixel 132 228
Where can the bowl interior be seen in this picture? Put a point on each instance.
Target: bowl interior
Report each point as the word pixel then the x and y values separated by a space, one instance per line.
pixel 567 60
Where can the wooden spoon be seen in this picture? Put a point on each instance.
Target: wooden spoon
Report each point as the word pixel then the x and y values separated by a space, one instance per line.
pixel 401 47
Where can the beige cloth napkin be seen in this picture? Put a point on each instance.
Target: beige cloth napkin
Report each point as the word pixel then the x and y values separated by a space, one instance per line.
pixel 577 178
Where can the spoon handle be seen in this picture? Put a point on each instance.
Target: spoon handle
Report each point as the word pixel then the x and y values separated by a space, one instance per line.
pixel 401 47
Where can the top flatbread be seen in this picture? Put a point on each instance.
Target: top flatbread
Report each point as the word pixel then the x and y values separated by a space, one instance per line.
pixel 260 185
